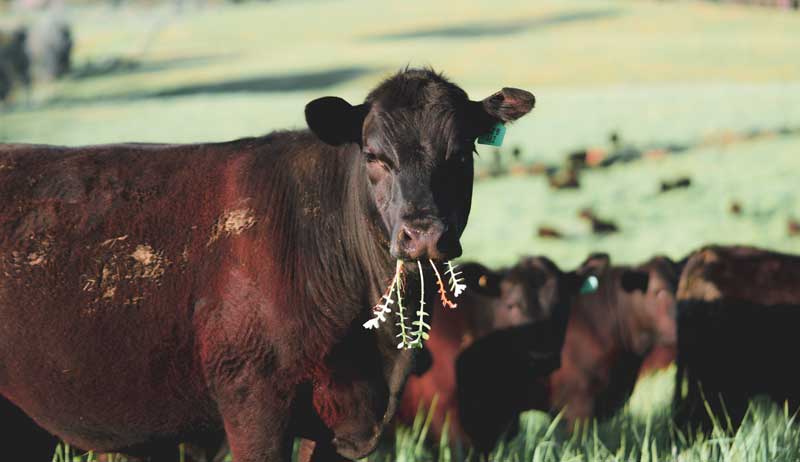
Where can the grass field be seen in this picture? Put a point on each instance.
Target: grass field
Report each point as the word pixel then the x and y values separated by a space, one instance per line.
pixel 656 72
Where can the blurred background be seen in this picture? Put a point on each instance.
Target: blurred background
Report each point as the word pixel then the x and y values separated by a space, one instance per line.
pixel 660 126
pixel 677 122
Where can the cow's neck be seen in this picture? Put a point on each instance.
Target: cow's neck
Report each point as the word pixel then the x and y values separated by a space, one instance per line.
pixel 357 273
pixel 349 247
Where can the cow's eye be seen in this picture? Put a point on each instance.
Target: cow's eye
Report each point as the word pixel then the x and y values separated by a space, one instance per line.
pixel 376 160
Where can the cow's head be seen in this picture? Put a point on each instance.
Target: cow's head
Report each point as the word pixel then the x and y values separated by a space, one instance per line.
pixel 651 288
pixel 417 132
pixel 533 290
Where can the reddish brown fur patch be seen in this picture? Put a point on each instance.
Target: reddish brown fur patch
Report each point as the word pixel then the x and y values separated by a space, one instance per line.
pixel 740 273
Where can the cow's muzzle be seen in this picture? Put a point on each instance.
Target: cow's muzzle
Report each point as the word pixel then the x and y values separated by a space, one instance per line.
pixel 424 239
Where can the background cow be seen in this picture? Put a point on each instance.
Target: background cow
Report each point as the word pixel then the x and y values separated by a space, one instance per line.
pixel 152 294
pixel 497 299
pixel 503 373
pixel 452 331
pixel 611 334
pixel 738 315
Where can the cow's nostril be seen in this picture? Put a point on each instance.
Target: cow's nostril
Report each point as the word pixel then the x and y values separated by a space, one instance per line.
pixel 404 235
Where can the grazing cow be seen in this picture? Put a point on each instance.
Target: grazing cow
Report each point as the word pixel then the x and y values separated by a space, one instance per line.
pixel 531 291
pixel 564 178
pixel 153 294
pixel 735 208
pixel 679 183
pixel 599 225
pixel 793 226
pixel 548 232
pixel 609 335
pixel 738 312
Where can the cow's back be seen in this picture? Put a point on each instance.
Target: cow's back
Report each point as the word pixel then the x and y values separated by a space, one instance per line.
pixel 104 251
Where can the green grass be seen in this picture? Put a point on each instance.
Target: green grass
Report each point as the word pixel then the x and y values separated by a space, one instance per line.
pixel 761 175
pixel 642 431
pixel 657 72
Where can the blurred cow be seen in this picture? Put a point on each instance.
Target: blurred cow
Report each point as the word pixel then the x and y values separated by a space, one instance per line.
pixel 738 318
pixel 14 63
pixel 534 290
pixel 599 225
pixel 609 336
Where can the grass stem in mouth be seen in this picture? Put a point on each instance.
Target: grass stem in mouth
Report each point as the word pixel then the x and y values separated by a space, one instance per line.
pixel 457 285
pixel 419 331
pixel 404 341
pixel 442 291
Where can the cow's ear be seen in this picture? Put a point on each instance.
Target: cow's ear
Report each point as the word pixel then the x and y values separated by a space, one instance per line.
pixel 509 104
pixel 586 278
pixel 595 263
pixel 632 281
pixel 481 279
pixel 335 121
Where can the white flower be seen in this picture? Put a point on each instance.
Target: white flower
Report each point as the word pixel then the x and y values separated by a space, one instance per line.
pixel 372 323
pixel 381 309
pixel 457 285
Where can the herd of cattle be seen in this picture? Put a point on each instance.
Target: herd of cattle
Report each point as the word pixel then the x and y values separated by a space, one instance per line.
pixel 725 314
pixel 214 294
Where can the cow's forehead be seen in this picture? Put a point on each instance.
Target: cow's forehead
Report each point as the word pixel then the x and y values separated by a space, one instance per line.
pixel 410 135
pixel 417 89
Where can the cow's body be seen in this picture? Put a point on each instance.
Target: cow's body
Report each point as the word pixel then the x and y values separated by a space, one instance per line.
pixel 153 294
pixel 140 269
pixel 738 312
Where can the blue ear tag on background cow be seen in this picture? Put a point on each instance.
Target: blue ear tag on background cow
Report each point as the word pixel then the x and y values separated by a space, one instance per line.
pixel 590 285
pixel 494 137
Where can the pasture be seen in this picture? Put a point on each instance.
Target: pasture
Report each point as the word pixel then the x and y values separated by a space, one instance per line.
pixel 658 73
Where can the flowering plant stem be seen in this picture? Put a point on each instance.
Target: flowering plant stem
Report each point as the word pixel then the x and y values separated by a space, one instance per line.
pixel 419 331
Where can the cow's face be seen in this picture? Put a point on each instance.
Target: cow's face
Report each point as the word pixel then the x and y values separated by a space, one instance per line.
pixel 534 290
pixel 651 288
pixel 417 134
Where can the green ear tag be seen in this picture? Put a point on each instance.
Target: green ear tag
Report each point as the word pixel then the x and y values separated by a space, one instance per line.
pixel 494 137
pixel 590 285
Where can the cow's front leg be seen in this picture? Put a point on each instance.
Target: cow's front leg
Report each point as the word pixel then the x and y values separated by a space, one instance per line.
pixel 256 416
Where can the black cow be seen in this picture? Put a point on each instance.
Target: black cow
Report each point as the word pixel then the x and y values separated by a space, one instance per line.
pixel 153 294
pixel 738 315
pixel 505 372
